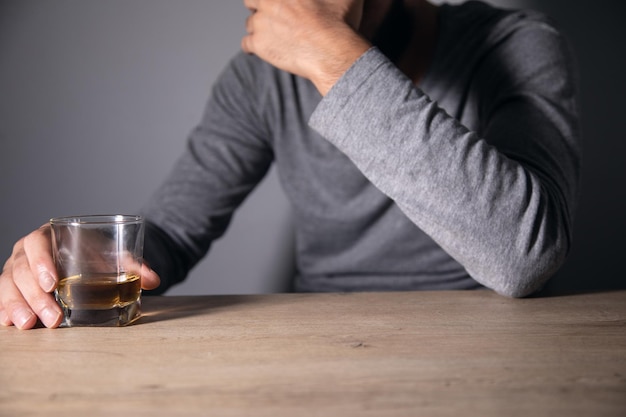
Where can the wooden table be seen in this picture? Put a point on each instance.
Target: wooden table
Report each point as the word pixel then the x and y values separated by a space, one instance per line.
pixel 369 354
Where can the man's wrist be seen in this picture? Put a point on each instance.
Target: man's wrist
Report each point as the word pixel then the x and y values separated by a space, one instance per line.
pixel 344 52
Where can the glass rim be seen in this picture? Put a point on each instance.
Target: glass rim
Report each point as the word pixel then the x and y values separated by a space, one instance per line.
pixel 88 219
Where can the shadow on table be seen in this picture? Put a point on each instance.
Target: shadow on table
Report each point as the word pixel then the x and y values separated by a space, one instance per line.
pixel 160 308
pixel 550 293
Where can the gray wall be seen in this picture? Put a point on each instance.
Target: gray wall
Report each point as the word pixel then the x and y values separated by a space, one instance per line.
pixel 97 98
pixel 597 32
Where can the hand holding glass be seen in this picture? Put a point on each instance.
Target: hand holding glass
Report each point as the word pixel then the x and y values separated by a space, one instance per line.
pixel 98 259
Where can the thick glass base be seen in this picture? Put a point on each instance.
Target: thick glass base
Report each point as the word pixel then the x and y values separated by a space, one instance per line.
pixel 114 317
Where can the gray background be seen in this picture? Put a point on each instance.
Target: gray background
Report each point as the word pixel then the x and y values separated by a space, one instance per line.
pixel 97 98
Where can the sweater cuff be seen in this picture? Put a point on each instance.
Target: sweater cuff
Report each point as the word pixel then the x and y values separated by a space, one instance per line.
pixel 340 94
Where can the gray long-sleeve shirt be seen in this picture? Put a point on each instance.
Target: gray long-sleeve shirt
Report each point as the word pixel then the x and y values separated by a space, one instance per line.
pixel 468 179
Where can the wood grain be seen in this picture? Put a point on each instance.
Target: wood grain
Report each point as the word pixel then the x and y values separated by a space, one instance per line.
pixel 366 354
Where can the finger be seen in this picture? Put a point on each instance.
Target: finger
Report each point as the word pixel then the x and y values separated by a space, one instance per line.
pixel 15 308
pixel 149 279
pixel 246 41
pixel 249 24
pixel 246 44
pixel 251 5
pixel 39 301
pixel 39 254
pixel 4 318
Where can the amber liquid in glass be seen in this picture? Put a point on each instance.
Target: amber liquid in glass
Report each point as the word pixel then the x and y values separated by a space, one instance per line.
pixel 100 299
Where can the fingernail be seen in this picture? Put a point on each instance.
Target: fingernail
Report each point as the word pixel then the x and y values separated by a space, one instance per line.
pixel 47 281
pixel 50 317
pixel 21 317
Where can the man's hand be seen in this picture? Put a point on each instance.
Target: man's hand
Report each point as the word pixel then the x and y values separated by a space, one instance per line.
pixel 28 279
pixel 315 39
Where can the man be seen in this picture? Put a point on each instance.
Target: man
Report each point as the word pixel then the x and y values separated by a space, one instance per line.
pixel 421 147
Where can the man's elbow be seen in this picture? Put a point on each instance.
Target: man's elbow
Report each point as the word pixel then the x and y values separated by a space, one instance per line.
pixel 525 274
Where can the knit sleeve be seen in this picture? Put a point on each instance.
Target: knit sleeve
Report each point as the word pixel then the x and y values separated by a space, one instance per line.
pixel 500 201
pixel 226 156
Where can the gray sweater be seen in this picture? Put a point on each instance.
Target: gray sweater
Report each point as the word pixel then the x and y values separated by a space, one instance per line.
pixel 468 179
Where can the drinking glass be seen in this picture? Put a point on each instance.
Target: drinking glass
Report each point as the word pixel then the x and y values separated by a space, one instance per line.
pixel 98 259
